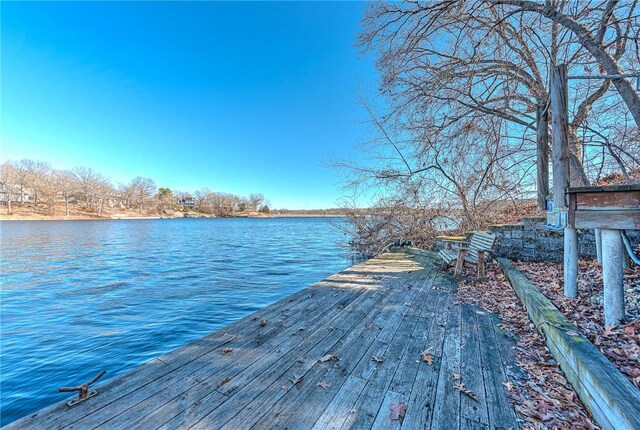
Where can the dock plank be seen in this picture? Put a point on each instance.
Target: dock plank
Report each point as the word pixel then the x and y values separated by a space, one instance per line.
pixel 475 411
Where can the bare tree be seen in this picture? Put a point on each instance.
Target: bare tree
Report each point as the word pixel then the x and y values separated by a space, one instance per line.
pixel 449 61
pixel 142 190
pixel 89 183
pixel 38 176
pixel 598 26
pixel 10 184
pixel 255 201
pixel 22 169
pixel 66 183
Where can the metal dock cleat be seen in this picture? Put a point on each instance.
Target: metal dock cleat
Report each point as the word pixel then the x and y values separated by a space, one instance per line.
pixel 83 390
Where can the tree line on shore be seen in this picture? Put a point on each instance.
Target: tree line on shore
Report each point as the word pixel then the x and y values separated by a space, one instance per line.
pixel 462 118
pixel 38 185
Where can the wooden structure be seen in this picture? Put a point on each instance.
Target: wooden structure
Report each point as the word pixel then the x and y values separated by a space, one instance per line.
pixel 609 210
pixel 606 209
pixel 335 355
pixel 614 207
pixel 480 243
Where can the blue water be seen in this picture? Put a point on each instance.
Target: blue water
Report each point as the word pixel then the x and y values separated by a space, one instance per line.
pixel 81 296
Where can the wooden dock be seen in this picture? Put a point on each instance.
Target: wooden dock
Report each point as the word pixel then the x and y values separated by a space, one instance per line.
pixel 276 368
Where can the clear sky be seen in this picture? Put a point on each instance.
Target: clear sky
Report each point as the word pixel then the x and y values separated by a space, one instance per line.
pixel 239 97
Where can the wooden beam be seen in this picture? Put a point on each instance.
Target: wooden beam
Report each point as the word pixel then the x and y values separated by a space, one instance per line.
pixel 542 151
pixel 560 134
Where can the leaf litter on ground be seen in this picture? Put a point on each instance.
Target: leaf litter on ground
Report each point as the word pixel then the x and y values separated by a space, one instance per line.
pixel 621 345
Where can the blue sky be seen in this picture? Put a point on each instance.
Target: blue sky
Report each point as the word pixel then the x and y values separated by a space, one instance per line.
pixel 239 97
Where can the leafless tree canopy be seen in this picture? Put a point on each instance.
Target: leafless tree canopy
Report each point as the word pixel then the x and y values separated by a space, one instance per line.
pixel 461 120
pixel 35 184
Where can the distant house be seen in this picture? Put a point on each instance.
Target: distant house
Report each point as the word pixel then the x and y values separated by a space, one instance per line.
pixel 16 197
pixel 187 201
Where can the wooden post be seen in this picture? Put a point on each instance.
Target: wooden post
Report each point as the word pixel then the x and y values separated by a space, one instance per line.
pixel 612 276
pixel 560 134
pixel 560 130
pixel 482 271
pixel 542 160
pixel 459 262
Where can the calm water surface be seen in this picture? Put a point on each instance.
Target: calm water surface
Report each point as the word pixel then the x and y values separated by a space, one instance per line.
pixel 81 296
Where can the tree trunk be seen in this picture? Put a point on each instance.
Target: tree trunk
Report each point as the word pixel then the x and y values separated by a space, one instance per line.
pixel 66 207
pixel 577 176
pixel 542 161
pixel 8 207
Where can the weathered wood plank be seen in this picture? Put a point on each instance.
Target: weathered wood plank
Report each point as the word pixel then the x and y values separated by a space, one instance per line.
pixel 446 410
pixel 501 414
pixel 368 404
pixel 470 362
pixel 383 419
pixel 423 393
pixel 341 406
pixel 628 219
pixel 290 401
pixel 359 350
pixel 405 376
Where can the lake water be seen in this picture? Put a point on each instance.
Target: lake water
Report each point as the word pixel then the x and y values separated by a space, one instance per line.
pixel 81 296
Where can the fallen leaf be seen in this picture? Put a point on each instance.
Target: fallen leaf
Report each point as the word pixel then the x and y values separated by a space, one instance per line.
pixel 297 379
pixel 263 323
pixel 324 384
pixel 378 360
pixel 284 387
pixel 255 318
pixel 460 387
pixel 609 330
pixel 508 385
pixel 457 376
pixel 426 356
pixel 224 381
pixel 398 410
pixel 328 357
pixel 368 326
pixel 227 350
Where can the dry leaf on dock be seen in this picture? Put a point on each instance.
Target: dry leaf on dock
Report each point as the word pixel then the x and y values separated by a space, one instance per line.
pixel 398 410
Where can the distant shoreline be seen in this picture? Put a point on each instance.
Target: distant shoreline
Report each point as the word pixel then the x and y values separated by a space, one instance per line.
pixel 127 218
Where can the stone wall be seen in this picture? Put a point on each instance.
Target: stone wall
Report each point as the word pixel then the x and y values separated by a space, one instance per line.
pixel 532 241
